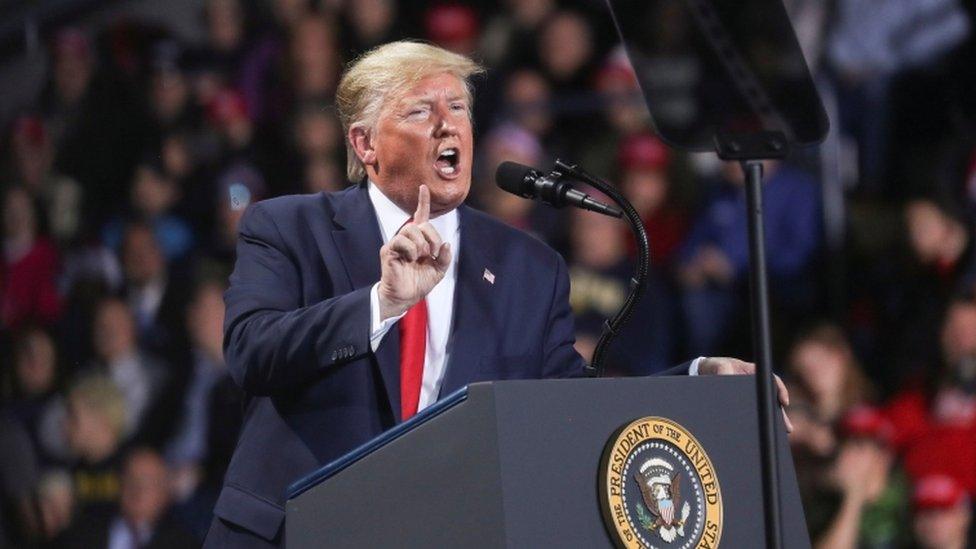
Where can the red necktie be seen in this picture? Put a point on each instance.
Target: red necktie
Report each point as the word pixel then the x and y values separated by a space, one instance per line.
pixel 413 349
pixel 413 353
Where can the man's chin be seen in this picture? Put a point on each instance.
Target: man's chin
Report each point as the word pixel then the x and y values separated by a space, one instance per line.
pixel 438 208
pixel 447 195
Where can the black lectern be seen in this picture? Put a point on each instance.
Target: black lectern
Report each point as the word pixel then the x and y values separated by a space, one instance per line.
pixel 652 462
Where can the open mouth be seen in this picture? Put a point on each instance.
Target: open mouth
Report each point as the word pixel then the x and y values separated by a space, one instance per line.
pixel 447 162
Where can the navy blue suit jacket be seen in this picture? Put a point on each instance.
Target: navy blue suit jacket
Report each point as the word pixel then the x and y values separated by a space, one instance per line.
pixel 297 336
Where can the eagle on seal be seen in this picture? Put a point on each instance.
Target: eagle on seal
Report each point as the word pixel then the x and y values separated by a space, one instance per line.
pixel 661 491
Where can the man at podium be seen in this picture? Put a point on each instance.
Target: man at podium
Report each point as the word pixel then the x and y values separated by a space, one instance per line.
pixel 349 312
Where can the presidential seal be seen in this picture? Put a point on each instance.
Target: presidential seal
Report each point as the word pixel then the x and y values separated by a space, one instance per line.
pixel 658 488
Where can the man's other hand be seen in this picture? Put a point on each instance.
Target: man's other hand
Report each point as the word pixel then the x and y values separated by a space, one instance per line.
pixel 412 262
pixel 724 366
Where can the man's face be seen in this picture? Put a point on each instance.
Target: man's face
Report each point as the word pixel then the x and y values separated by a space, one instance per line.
pixel 142 259
pixel 423 137
pixel 938 528
pixel 114 334
pixel 145 489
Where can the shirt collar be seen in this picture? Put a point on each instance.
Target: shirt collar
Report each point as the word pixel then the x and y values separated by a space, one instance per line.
pixel 392 218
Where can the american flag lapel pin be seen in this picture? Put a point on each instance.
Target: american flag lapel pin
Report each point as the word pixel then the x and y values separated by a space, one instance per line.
pixel 489 276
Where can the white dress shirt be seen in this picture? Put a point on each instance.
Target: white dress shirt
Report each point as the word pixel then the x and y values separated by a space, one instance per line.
pixel 440 300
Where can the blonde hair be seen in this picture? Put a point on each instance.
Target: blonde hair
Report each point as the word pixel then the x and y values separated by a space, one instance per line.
pixel 99 393
pixel 382 72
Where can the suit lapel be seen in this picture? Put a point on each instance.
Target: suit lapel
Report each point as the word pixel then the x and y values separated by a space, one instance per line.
pixel 472 328
pixel 358 240
pixel 357 236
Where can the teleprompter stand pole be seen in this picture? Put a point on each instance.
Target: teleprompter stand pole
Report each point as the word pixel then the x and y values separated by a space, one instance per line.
pixel 750 150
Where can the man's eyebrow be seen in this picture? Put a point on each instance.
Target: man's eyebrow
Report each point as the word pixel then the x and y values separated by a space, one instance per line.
pixel 414 100
pixel 430 99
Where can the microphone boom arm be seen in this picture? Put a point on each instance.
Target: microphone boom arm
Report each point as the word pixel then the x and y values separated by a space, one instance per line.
pixel 611 327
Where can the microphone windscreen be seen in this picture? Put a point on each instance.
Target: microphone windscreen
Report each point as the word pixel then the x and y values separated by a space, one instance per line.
pixel 510 176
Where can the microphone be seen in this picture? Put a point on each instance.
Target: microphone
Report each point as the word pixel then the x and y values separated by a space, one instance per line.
pixel 530 183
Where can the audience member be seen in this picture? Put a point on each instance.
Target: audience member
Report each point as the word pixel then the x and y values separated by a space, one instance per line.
pixel 829 396
pixel 863 501
pixel 187 451
pixel 240 139
pixel 95 125
pixel 566 51
pixel 527 103
pixel 226 24
pixel 140 378
pixel 943 265
pixel 95 429
pixel 154 196
pixel 943 514
pixel 32 165
pixel 154 292
pixel 314 60
pixel 714 262
pixel 28 292
pixel 826 383
pixel 511 143
pixel 625 113
pixel 930 419
pixel 35 403
pixel 644 163
pixel 600 279
pixel 56 507
pixel 237 188
pixel 141 518
pixel 318 157
pixel 204 441
pixel 169 87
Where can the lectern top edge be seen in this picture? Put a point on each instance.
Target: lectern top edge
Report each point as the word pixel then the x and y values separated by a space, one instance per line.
pixel 330 469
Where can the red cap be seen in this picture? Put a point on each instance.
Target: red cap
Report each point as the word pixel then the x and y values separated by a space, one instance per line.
pixel 30 128
pixel 227 105
pixel 868 422
pixel 643 151
pixel 451 23
pixel 937 492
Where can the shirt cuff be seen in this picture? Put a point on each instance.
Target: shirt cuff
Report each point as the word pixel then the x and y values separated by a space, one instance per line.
pixel 378 329
pixel 693 369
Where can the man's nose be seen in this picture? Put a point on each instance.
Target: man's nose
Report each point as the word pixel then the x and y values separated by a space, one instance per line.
pixel 444 124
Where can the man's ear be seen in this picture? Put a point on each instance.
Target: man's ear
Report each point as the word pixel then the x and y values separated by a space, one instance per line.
pixel 362 143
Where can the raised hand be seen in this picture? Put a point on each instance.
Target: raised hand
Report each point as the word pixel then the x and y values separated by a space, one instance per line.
pixel 412 262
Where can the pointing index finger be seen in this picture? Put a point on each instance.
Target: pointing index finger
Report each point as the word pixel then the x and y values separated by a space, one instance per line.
pixel 422 215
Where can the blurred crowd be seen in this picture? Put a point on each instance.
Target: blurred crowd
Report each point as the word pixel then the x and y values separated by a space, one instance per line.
pixel 124 180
